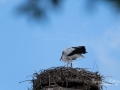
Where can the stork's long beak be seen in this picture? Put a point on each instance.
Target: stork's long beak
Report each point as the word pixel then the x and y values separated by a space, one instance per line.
pixel 61 56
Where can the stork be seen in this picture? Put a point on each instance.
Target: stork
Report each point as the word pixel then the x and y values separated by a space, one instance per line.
pixel 72 54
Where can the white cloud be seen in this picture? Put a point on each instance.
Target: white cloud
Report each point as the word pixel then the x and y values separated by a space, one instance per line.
pixel 107 47
pixel 3 1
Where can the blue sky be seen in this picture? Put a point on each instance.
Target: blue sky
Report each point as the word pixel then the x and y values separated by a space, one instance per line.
pixel 28 47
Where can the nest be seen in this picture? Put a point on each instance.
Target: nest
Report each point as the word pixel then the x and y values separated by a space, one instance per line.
pixel 67 77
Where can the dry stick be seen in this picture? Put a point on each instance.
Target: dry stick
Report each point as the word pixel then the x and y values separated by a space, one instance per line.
pixel 97 67
pixel 25 81
pixel 36 87
pixel 63 82
pixel 105 87
pixel 107 76
pixel 31 88
pixel 28 88
pixel 35 73
pixel 33 80
pixel 66 81
pixel 49 80
pixel 94 65
pixel 40 82
pixel 29 76
pixel 109 83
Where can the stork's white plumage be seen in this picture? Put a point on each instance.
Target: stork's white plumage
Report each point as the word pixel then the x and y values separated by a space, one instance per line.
pixel 72 53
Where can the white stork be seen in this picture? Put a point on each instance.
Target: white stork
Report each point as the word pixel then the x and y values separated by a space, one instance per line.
pixel 72 54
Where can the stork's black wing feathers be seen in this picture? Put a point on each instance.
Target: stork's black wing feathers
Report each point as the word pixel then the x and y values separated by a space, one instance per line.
pixel 78 50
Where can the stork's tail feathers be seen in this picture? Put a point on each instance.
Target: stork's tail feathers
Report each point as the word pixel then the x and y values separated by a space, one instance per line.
pixel 82 56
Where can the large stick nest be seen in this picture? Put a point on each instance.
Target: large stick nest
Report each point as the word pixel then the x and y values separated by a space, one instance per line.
pixel 66 77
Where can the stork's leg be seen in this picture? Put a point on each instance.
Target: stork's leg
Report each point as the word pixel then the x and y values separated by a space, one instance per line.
pixel 71 64
pixel 67 64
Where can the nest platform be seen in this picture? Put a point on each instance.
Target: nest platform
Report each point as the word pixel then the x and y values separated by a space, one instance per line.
pixel 67 77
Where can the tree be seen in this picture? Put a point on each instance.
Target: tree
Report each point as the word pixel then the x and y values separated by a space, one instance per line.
pixel 37 9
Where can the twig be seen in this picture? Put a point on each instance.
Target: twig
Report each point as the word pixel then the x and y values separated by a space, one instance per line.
pixel 49 80
pixel 25 81
pixel 29 76
pixel 93 65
